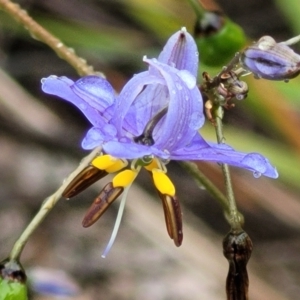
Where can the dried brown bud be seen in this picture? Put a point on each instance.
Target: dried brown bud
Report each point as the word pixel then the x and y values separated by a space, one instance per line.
pixel 237 248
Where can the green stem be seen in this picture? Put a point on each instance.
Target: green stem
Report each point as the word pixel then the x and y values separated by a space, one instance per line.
pixel 199 11
pixel 40 33
pixel 47 206
pixel 202 180
pixel 234 215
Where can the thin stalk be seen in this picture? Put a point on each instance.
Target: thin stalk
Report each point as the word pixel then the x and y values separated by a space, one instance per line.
pixel 41 34
pixel 47 206
pixel 198 9
pixel 202 180
pixel 234 215
pixel 202 6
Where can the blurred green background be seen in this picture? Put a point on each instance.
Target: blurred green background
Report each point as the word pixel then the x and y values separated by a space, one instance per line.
pixel 40 144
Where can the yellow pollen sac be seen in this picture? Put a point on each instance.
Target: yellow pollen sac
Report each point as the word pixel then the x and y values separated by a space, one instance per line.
pixel 117 166
pixel 152 165
pixel 163 183
pixel 124 178
pixel 109 163
pixel 104 161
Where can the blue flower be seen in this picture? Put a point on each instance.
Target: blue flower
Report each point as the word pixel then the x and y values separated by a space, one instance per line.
pixel 155 118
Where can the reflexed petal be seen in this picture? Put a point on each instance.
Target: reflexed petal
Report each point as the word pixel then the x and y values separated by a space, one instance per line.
pixel 96 91
pixel 97 136
pixel 93 138
pixel 62 87
pixel 126 150
pixel 185 111
pixel 181 52
pixel 200 150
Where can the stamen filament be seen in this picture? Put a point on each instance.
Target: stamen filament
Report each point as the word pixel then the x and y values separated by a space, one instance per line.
pixel 117 223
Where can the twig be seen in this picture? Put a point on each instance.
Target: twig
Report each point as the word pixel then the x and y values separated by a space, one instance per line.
pixel 40 33
pixel 47 206
pixel 234 215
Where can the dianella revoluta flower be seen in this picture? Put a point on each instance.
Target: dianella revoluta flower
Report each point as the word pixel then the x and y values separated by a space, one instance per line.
pixel 154 119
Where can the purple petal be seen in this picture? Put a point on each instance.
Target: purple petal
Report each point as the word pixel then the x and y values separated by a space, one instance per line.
pixel 146 105
pixel 64 88
pixel 97 136
pixel 200 150
pixel 124 103
pixel 128 150
pixel 181 52
pixel 185 110
pixel 51 282
pixel 96 91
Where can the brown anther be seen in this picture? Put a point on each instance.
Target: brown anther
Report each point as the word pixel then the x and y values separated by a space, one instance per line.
pixel 101 203
pixel 83 180
pixel 173 217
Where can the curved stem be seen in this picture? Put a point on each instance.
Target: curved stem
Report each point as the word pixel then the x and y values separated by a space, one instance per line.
pixel 202 180
pixel 199 11
pixel 40 33
pixel 234 215
pixel 47 206
pixel 202 6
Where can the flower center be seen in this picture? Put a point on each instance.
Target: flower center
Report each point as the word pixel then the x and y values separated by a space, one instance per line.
pixel 146 137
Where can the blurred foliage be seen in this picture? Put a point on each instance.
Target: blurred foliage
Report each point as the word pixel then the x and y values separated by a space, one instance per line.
pixel 12 290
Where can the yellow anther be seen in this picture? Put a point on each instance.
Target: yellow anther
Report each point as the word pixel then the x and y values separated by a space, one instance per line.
pixel 109 163
pixel 104 161
pixel 117 166
pixel 163 183
pixel 124 178
pixel 152 165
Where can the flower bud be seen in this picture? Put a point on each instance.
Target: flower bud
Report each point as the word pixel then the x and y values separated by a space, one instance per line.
pixel 237 248
pixel 218 39
pixel 270 60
